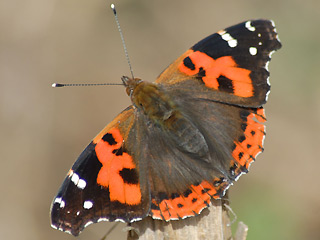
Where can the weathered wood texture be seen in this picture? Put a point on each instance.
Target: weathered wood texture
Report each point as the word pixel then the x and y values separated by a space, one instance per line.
pixel 213 223
pixel 242 232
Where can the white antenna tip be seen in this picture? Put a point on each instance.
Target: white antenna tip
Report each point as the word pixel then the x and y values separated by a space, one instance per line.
pixel 113 9
pixel 54 85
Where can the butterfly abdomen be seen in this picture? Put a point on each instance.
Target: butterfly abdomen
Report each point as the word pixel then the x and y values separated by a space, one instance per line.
pixel 187 136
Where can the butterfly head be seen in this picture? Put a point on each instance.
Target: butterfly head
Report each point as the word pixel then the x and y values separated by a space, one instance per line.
pixel 130 84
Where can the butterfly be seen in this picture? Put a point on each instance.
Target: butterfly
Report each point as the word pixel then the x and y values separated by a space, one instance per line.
pixel 184 140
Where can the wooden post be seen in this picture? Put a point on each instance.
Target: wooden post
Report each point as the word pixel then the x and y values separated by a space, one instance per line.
pixel 213 223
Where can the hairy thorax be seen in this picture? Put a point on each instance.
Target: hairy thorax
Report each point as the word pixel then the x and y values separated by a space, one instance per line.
pixel 162 111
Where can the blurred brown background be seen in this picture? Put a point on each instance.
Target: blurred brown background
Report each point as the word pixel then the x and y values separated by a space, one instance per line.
pixel 43 130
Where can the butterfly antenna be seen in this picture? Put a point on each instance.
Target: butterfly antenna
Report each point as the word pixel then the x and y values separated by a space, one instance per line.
pixel 102 84
pixel 122 38
pixel 83 84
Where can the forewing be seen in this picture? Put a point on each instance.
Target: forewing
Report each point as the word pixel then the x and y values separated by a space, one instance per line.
pixel 103 184
pixel 230 66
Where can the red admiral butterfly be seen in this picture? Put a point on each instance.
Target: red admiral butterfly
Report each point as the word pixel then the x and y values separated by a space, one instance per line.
pixel 184 140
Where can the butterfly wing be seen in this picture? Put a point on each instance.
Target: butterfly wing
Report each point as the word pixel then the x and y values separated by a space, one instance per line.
pixel 103 184
pixel 220 84
pixel 230 66
pixel 180 184
pixel 133 168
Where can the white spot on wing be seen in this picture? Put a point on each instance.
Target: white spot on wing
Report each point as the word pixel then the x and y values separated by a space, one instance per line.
pixel 133 220
pixel 233 43
pixel 267 65
pixel 62 204
pixel 250 27
pixel 102 219
pixel 270 54
pixel 53 226
pixel 121 220
pixel 267 95
pixel 227 37
pixel 87 224
pixel 87 204
pixel 81 184
pixel 75 178
pixel 253 51
pixel 58 200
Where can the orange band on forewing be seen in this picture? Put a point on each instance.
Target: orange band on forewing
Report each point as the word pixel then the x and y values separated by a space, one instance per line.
pixel 214 68
pixel 109 174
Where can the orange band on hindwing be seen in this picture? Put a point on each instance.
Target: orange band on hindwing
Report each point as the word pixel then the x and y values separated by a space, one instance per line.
pixel 220 74
pixel 250 144
pixel 190 203
pixel 118 171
